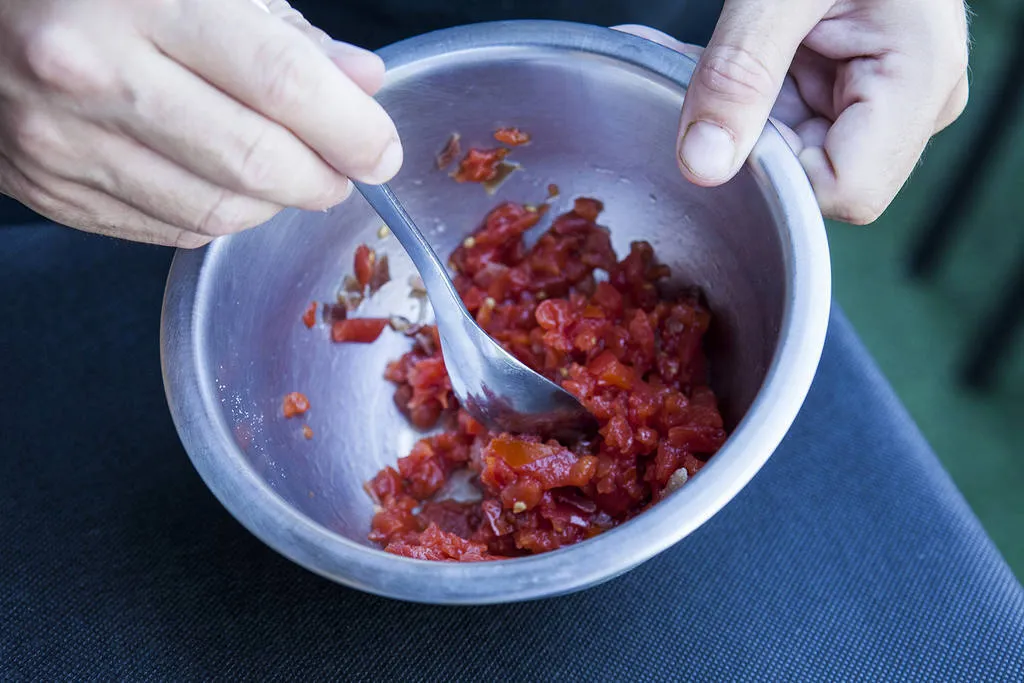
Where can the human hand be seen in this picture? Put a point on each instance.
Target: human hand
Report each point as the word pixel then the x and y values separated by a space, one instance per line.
pixel 173 122
pixel 862 85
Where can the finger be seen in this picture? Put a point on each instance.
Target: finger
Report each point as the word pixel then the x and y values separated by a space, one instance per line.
pixel 813 132
pixel 955 105
pixel 815 78
pixel 364 67
pixel 216 138
pixel 789 109
pixel 736 83
pixel 871 149
pixel 274 69
pixel 83 208
pixel 161 189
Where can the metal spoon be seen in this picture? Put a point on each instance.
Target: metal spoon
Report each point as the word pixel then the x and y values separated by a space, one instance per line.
pixel 490 383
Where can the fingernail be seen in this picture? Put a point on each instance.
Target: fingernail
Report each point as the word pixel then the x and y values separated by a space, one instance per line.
pixel 389 164
pixel 708 151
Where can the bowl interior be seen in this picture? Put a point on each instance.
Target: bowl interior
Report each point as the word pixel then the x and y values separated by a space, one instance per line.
pixel 602 128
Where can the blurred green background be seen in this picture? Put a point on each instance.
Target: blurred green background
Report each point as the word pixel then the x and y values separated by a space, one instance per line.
pixel 918 329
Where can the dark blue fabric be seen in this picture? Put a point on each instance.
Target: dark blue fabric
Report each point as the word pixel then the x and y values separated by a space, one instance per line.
pixel 851 555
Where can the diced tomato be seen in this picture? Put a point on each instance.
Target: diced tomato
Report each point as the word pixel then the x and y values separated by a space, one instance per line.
pixel 554 314
pixel 295 404
pixel 359 330
pixel 511 136
pixel 518 453
pixel 309 317
pixel 587 208
pixel 480 165
pixel 364 261
pixel 434 544
pixel 608 298
pixel 607 369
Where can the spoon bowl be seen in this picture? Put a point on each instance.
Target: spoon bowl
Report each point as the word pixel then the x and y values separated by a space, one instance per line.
pixel 494 386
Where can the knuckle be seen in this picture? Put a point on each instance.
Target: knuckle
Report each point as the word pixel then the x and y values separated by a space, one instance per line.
pixel 286 79
pixel 736 74
pixel 258 169
pixel 46 53
pixel 220 218
pixel 367 157
pixel 59 58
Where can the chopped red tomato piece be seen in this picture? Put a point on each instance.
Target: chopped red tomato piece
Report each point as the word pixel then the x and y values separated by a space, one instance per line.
pixel 511 136
pixel 434 544
pixel 587 208
pixel 480 165
pixel 517 453
pixel 359 330
pixel 608 370
pixel 365 259
pixel 309 317
pixel 295 404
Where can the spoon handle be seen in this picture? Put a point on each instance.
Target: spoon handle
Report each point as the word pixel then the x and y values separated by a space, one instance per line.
pixel 435 278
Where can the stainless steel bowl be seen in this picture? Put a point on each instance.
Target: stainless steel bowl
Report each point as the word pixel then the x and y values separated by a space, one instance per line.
pixel 603 109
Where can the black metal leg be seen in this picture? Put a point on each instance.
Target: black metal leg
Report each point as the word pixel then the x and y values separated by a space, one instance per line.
pixel 941 227
pixel 996 334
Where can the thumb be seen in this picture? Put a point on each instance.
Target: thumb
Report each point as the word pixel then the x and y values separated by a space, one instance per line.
pixel 736 82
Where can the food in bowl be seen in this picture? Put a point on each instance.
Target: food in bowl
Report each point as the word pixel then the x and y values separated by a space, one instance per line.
pixel 294 404
pixel 513 137
pixel 600 327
